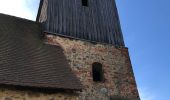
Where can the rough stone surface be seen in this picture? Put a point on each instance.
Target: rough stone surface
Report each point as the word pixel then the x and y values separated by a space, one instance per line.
pixel 14 94
pixel 118 74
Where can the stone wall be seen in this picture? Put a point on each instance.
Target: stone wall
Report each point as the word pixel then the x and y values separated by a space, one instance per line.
pixel 17 94
pixel 118 74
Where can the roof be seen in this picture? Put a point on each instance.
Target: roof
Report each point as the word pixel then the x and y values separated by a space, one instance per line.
pixel 25 60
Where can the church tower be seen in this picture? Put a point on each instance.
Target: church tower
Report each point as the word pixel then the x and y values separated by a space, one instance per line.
pixel 89 33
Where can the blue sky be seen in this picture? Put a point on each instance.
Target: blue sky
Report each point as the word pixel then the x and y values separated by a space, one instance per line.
pixel 146 28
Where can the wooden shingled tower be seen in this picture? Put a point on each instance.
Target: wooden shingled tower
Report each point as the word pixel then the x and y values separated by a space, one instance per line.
pixel 92 20
pixel 90 34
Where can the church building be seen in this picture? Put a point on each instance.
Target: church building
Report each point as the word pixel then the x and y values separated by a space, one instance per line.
pixel 73 51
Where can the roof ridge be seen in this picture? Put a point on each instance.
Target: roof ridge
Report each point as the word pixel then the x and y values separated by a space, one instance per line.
pixel 24 19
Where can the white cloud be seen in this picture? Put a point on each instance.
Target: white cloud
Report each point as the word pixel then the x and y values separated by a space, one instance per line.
pixel 146 94
pixel 18 8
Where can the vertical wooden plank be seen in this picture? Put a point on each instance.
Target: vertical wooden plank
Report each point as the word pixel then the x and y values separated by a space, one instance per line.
pixel 98 22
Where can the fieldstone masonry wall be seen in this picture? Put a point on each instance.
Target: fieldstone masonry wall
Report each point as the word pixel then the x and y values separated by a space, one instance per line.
pixel 118 74
pixel 15 94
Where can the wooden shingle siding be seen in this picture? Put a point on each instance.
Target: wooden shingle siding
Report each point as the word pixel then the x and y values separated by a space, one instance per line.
pixel 96 22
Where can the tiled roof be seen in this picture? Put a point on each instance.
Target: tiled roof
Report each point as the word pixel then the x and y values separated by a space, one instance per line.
pixel 26 61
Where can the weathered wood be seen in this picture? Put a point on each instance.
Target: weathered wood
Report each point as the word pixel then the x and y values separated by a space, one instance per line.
pixel 97 22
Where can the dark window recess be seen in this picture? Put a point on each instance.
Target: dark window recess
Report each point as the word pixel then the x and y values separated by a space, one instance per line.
pixel 85 2
pixel 97 72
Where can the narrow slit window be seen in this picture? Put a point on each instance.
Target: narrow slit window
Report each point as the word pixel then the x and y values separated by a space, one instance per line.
pixel 97 72
pixel 85 3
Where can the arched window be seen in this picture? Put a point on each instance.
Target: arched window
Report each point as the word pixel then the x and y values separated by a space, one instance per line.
pixel 97 72
pixel 85 2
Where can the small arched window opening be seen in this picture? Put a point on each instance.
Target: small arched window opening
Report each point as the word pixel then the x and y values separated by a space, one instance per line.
pixel 85 3
pixel 97 72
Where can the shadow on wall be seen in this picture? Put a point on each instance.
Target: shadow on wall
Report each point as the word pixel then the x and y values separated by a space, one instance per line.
pixel 117 97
